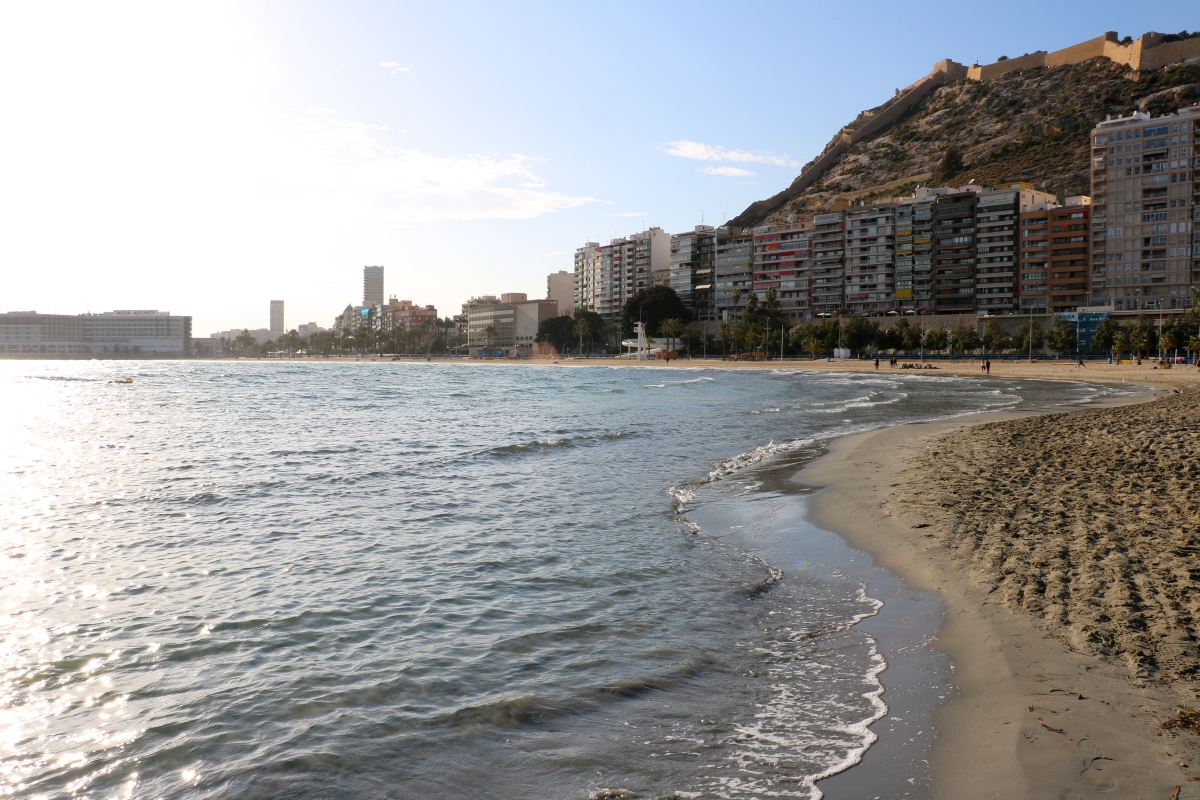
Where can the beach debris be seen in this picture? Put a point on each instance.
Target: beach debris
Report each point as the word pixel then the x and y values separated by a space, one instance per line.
pixel 1188 719
pixel 1175 793
pixel 921 525
pixel 1031 708
pixel 1042 722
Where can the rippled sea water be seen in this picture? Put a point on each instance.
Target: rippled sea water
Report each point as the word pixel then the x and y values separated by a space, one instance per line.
pixel 265 579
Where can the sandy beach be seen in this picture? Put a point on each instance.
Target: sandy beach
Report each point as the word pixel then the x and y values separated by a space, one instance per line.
pixel 1064 549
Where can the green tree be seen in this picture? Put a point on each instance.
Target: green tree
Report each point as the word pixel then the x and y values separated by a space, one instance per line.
pixel 652 306
pixel 964 338
pixel 670 328
pixel 691 336
pixel 1062 336
pixel 995 338
pixel 952 162
pixel 556 331
pixel 1105 335
pixel 245 341
pixel 858 333
pixel 936 339
pixel 913 337
pixel 1123 343
pixel 815 338
pixel 1029 333
pixel 1142 336
pixel 1171 337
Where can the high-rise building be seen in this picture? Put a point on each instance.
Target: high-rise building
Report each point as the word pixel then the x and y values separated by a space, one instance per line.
pixel 608 275
pixel 560 287
pixel 1144 191
pixel 372 286
pixel 871 258
pixel 783 261
pixel 733 270
pixel 277 326
pixel 998 212
pixel 1034 288
pixel 829 256
pixel 691 275
pixel 587 276
pixel 1069 281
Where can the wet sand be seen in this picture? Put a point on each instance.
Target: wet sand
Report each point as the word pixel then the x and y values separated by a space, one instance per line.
pixel 1064 552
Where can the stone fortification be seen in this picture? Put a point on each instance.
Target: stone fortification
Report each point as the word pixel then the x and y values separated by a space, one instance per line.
pixel 1148 51
pixel 1145 54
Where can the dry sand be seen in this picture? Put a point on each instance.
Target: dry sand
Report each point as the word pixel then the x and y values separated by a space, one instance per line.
pixel 1064 548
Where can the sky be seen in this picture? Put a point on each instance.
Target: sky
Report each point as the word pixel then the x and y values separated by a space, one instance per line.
pixel 207 158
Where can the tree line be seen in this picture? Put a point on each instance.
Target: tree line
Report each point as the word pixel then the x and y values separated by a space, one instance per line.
pixel 760 327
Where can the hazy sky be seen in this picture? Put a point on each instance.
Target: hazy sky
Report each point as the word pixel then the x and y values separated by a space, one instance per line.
pixel 207 158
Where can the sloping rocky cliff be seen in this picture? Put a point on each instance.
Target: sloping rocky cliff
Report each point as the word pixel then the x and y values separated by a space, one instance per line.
pixel 1029 125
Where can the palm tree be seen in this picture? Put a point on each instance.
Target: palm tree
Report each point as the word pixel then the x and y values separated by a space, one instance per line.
pixel 582 328
pixel 672 328
pixel 490 333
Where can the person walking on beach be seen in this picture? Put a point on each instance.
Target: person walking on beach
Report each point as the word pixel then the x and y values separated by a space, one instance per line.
pixel 876 362
pixel 987 366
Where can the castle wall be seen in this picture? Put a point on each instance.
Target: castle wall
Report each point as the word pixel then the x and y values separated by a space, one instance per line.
pixel 990 72
pixel 897 109
pixel 1170 53
pixel 1084 51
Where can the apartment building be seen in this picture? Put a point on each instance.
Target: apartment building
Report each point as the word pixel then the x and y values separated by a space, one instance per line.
pixel 405 316
pixel 914 254
pixel 1069 280
pixel 783 261
pixel 828 262
pixel 608 275
pixel 588 284
pixel 733 270
pixel 871 259
pixel 691 275
pixel 560 287
pixel 998 212
pixel 1144 252
pixel 1034 259
pixel 954 250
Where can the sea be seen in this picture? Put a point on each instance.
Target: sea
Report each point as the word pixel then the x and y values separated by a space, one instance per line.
pixel 272 579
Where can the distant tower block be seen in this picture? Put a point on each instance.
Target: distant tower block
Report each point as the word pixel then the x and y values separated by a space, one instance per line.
pixel 372 286
pixel 277 326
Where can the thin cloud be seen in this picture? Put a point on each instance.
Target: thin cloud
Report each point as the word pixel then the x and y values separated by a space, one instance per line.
pixel 631 214
pixel 732 172
pixel 393 66
pixel 329 160
pixel 708 152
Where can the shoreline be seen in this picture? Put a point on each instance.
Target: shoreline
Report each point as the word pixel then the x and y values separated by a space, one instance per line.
pixel 1091 729
pixel 1057 370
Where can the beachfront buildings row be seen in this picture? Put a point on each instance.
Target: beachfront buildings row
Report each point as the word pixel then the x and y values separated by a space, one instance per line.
pixel 1008 249
pixel 113 333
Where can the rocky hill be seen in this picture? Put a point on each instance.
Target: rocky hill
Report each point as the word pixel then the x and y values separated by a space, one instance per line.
pixel 1028 125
